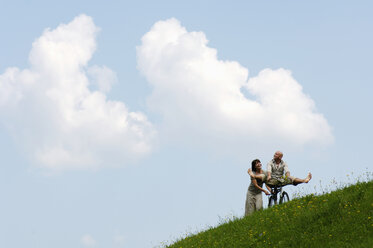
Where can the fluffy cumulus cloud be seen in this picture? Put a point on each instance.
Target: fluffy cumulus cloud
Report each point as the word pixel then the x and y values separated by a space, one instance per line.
pixel 199 95
pixel 58 109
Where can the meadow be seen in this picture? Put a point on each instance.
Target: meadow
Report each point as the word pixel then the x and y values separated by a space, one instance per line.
pixel 341 218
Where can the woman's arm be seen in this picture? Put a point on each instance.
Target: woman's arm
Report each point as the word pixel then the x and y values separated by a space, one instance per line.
pixel 255 183
pixel 255 176
pixel 269 188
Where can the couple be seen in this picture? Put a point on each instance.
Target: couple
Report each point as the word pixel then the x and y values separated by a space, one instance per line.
pixel 277 174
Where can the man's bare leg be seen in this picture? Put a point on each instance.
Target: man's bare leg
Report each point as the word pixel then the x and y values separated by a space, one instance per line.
pixel 305 180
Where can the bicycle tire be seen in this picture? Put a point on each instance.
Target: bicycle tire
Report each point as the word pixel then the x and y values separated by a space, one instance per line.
pixel 284 197
pixel 271 201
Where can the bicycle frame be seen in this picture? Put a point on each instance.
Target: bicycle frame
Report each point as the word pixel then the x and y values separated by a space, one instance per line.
pixel 272 200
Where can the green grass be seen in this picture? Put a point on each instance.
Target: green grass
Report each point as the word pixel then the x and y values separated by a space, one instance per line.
pixel 342 218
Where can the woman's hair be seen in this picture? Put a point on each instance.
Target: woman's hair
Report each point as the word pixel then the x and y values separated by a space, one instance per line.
pixel 255 161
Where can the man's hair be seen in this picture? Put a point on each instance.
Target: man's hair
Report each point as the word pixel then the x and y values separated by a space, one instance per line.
pixel 280 152
pixel 255 161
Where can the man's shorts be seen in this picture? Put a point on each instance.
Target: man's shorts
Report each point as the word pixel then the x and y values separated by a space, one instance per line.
pixel 282 181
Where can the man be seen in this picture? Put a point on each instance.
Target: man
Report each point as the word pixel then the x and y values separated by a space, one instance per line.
pixel 279 174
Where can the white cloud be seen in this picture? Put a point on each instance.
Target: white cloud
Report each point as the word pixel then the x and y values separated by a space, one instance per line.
pixel 88 241
pixel 54 114
pixel 200 96
pixel 102 77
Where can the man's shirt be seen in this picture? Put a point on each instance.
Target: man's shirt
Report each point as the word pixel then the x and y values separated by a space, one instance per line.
pixel 277 170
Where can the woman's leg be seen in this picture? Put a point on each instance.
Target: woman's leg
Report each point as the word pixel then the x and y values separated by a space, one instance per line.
pixel 258 202
pixel 250 203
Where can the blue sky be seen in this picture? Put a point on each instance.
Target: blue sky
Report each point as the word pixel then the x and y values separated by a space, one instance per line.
pixel 130 124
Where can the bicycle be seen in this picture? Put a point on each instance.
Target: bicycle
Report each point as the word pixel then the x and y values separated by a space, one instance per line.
pixel 284 197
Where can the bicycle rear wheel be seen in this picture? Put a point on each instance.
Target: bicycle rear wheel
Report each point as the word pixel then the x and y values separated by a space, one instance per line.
pixel 284 197
pixel 271 201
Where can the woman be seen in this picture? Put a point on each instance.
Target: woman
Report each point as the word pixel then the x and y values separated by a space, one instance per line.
pixel 254 199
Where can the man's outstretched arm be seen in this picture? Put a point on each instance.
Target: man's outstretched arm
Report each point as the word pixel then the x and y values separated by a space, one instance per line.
pixel 269 176
pixel 286 169
pixel 269 171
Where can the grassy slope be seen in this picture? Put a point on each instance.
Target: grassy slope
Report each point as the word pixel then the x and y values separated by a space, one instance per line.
pixel 342 218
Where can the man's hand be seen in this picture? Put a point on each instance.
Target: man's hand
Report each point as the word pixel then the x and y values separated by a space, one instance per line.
pixel 266 192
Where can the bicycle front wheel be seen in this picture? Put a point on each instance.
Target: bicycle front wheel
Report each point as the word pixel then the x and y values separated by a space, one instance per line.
pixel 271 201
pixel 284 197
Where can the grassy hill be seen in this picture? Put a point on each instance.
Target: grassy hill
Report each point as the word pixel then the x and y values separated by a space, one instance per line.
pixel 342 218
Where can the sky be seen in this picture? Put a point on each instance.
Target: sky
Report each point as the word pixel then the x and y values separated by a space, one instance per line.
pixel 133 124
